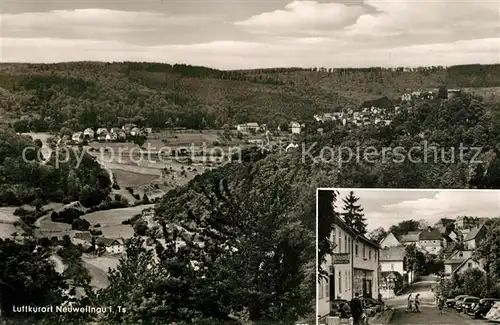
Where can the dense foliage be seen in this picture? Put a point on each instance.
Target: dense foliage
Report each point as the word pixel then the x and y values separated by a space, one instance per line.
pixel 25 181
pixel 89 94
pixel 433 144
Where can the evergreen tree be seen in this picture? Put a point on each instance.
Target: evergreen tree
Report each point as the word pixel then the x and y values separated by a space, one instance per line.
pixel 326 222
pixel 353 213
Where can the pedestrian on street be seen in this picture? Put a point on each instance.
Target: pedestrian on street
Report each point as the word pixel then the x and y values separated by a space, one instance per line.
pixel 356 310
pixel 417 302
pixel 441 303
pixel 409 303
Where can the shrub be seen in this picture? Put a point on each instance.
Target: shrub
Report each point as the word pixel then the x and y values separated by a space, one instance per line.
pixel 95 232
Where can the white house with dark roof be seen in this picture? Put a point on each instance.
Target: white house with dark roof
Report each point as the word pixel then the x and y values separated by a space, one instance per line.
pixel 431 241
pixel 77 137
pixel 248 127
pixel 88 134
pixel 112 245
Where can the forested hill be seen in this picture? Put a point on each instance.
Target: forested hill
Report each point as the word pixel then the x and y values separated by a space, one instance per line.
pixel 82 94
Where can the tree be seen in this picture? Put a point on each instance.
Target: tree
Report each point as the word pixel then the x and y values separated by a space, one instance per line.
pixel 442 92
pixel 140 227
pixel 414 260
pixel 353 213
pixel 139 140
pixel 423 224
pixel 404 227
pixel 326 224
pixel 377 234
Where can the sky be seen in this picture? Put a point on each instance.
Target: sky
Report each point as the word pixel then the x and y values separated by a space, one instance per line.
pixel 247 34
pixel 384 208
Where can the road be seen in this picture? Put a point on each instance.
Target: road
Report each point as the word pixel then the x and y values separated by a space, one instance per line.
pixel 429 313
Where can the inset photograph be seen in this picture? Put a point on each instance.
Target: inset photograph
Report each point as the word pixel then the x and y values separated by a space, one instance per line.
pixel 408 256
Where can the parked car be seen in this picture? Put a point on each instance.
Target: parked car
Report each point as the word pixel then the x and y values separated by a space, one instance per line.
pixel 458 304
pixel 467 303
pixel 450 303
pixel 372 303
pixel 340 307
pixel 482 307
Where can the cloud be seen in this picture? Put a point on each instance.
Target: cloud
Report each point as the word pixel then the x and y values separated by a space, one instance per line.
pixel 91 23
pixel 386 208
pixel 304 52
pixel 303 17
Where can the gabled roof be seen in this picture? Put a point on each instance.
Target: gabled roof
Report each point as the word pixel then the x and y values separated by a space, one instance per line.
pixel 109 241
pixel 465 262
pixel 409 238
pixel 454 261
pixel 473 233
pixel 392 254
pixel 391 274
pixel 433 234
pixel 340 222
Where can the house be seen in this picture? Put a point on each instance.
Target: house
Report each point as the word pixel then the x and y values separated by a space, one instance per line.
pixel 115 130
pixel 473 239
pixel 88 134
pixel 411 238
pixel 112 245
pixel 468 264
pixel 128 127
pixel 406 97
pixel 295 127
pixel 392 260
pixel 82 238
pixel 455 259
pixel 388 282
pixel 453 93
pixel 389 240
pixel 444 222
pixel 101 134
pixel 107 137
pixel 353 267
pixel 430 240
pixel 248 127
pixel 148 130
pixel 77 137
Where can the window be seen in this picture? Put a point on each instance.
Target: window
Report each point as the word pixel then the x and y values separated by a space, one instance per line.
pixel 346 281
pixel 320 289
pixel 364 252
pixel 349 245
pixel 345 244
pixel 340 244
pixel 392 267
pixel 470 265
pixel 369 254
pixel 340 282
pixel 356 249
pixel 327 288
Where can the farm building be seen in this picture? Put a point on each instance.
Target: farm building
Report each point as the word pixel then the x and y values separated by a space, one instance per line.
pixel 112 245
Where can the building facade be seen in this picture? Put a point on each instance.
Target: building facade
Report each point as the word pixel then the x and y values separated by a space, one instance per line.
pixel 389 241
pixel 353 268
pixel 431 241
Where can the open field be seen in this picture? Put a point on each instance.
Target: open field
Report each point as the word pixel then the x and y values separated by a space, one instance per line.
pixel 99 277
pixel 7 219
pixel 132 179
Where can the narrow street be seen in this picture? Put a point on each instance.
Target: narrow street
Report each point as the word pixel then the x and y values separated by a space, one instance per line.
pixel 429 312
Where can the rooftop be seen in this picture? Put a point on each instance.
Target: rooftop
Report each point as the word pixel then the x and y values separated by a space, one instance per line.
pixel 431 234
pixel 473 233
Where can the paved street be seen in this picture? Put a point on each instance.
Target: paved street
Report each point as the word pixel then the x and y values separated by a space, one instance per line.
pixel 429 312
pixel 431 315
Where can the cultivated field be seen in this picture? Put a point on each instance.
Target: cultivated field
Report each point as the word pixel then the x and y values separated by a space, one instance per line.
pixel 111 220
pixel 7 219
pixel 132 179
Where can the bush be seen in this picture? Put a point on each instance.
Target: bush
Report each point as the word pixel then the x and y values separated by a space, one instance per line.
pixel 95 232
pixel 116 186
pixel 140 227
pixel 97 225
pixel 80 224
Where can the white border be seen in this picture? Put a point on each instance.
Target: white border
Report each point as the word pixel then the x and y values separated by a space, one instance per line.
pixel 377 189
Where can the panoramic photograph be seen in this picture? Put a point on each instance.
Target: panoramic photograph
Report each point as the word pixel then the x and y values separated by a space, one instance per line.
pixel 401 256
pixel 159 160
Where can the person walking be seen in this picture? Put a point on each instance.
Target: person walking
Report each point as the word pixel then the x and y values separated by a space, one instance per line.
pixel 356 310
pixel 417 302
pixel 440 303
pixel 409 303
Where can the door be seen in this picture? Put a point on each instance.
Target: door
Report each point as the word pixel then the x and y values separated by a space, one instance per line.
pixel 332 286
pixel 367 288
